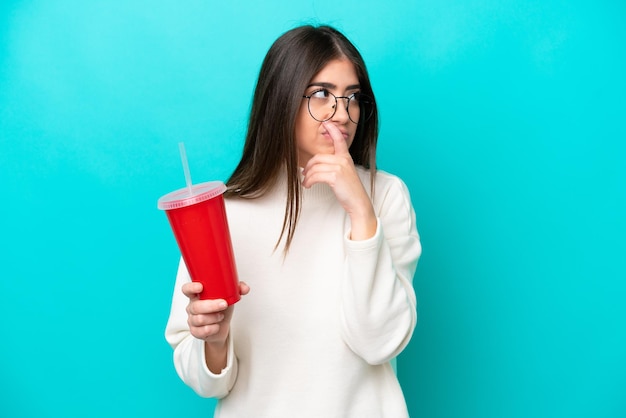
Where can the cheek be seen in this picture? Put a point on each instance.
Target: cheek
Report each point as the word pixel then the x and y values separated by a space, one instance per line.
pixel 351 137
pixel 307 128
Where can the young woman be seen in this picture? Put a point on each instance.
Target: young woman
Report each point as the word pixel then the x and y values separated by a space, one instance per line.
pixel 327 244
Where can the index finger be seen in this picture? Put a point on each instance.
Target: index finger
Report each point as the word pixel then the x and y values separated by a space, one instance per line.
pixel 341 147
pixel 207 306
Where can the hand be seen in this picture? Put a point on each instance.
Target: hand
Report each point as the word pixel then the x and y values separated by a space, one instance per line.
pixel 338 171
pixel 209 319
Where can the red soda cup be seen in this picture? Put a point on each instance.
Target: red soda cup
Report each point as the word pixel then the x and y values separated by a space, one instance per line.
pixel 197 216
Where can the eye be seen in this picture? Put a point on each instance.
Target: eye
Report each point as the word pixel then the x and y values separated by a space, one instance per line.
pixel 320 94
pixel 360 98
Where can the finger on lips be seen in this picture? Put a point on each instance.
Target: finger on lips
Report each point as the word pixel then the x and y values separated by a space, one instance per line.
pixel 337 136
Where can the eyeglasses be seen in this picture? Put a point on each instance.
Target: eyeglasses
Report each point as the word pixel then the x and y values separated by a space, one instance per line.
pixel 323 105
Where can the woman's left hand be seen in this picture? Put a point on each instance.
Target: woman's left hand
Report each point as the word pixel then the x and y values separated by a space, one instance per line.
pixel 338 171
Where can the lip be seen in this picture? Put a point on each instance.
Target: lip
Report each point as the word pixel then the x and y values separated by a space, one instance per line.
pixel 343 133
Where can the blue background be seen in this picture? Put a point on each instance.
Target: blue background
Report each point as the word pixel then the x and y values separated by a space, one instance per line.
pixel 505 119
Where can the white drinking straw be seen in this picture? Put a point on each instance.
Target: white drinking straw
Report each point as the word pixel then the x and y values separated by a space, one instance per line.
pixel 183 157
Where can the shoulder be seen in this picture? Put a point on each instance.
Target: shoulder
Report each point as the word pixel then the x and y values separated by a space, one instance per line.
pixel 385 183
pixel 392 203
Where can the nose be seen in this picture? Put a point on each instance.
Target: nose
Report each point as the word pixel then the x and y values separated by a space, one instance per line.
pixel 341 110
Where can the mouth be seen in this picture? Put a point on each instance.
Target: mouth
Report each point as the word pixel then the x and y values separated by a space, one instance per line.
pixel 343 133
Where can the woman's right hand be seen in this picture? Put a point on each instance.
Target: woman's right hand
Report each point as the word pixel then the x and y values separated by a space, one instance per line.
pixel 209 320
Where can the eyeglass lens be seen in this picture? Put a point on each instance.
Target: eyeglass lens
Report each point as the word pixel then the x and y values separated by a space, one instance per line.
pixel 323 105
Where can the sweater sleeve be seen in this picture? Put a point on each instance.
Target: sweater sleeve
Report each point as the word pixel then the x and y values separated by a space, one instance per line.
pixel 189 360
pixel 378 304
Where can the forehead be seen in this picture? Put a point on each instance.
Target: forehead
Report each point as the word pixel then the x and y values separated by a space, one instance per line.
pixel 338 71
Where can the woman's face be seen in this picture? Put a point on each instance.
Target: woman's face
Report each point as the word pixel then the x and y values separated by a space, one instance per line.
pixel 339 78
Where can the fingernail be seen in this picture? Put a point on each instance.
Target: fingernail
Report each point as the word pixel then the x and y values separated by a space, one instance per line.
pixel 222 304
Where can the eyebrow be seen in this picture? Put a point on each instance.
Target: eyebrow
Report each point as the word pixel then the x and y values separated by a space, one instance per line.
pixel 332 86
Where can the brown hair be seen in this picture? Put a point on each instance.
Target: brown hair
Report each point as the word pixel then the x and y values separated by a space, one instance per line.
pixel 270 146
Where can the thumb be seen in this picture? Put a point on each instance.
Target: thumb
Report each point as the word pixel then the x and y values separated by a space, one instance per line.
pixel 341 147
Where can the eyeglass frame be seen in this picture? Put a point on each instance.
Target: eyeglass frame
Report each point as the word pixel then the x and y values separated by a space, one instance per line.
pixel 350 97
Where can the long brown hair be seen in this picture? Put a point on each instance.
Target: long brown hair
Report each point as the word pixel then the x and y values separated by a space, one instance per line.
pixel 270 146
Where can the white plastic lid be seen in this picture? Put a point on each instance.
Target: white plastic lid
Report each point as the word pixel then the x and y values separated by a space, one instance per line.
pixel 199 193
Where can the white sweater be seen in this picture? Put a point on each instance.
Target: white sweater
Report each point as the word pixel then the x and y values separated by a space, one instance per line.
pixel 316 334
